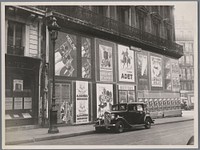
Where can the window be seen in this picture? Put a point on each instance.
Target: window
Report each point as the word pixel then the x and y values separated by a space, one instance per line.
pixel 123 14
pixel 188 74
pixel 139 108
pixel 141 22
pixel 15 38
pixel 156 28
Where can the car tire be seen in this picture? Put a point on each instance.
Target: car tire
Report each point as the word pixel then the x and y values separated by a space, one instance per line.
pixel 119 127
pixel 147 123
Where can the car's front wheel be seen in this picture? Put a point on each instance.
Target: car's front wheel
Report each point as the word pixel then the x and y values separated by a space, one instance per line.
pixel 119 127
pixel 147 123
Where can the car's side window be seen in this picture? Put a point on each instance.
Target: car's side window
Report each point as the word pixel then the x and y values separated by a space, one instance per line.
pixel 139 108
pixel 132 108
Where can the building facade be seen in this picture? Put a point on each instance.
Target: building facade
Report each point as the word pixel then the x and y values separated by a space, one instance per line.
pixel 103 55
pixel 185 37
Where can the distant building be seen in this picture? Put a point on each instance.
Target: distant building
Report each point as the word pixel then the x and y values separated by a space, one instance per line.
pixel 185 37
pixel 104 55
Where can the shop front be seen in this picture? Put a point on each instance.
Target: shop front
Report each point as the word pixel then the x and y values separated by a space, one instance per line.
pixel 21 99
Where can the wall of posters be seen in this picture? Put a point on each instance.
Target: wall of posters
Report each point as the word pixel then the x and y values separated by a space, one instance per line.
pixel 126 93
pixel 106 62
pixel 156 71
pixel 104 98
pixel 126 64
pixel 66 55
pixel 82 97
pixel 142 72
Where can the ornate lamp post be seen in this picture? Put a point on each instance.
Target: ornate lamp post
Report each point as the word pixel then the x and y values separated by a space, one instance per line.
pixel 53 28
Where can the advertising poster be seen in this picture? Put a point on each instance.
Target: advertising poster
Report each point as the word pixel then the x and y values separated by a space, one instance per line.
pixel 17 85
pixel 86 57
pixel 123 96
pixel 105 62
pixel 167 73
pixel 65 55
pixel 82 97
pixel 142 72
pixel 27 103
pixel 9 103
pixel 156 71
pixel 175 76
pixel 18 103
pixel 104 98
pixel 126 64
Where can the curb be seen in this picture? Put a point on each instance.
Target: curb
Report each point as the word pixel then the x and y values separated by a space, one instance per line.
pixel 48 138
pixel 53 137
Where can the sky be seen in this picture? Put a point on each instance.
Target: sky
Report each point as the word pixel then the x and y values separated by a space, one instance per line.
pixel 186 9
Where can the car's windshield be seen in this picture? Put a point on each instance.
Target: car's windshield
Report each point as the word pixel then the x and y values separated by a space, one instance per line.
pixel 119 107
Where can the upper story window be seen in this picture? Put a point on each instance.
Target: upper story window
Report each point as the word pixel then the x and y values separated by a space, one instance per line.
pixel 15 38
pixel 123 14
pixel 156 28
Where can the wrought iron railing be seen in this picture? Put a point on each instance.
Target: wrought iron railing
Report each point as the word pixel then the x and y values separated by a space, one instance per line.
pixel 94 20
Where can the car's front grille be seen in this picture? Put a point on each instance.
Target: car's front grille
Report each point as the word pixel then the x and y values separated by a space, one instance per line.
pixel 107 118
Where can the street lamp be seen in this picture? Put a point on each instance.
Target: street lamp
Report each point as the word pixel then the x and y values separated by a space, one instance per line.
pixel 53 28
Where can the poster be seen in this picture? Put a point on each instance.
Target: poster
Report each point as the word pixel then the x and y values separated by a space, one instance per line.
pixel 18 103
pixel 9 103
pixel 86 57
pixel 65 55
pixel 142 72
pixel 126 64
pixel 104 98
pixel 175 75
pixel 156 71
pixel 27 103
pixel 82 97
pixel 17 85
pixel 123 97
pixel 106 62
pixel 167 73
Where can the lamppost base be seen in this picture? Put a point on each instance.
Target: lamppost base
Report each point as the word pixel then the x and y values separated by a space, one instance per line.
pixel 53 121
pixel 53 130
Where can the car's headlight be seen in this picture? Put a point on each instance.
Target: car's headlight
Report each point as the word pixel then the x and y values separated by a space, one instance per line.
pixel 112 116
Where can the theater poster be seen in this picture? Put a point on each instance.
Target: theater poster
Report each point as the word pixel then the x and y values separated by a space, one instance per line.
pixel 142 72
pixel 156 71
pixel 65 55
pixel 82 97
pixel 104 98
pixel 126 64
pixel 106 62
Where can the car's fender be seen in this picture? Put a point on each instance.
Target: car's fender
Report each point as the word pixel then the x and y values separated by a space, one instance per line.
pixel 120 118
pixel 148 117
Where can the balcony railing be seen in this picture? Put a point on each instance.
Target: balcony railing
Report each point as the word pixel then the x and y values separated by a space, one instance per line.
pixel 15 50
pixel 99 22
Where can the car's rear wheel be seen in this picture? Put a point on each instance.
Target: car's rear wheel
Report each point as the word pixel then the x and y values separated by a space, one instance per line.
pixel 119 127
pixel 147 123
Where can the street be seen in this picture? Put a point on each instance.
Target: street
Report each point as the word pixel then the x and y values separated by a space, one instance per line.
pixel 165 134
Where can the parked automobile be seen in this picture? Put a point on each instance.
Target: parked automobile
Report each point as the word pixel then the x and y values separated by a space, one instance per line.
pixel 124 116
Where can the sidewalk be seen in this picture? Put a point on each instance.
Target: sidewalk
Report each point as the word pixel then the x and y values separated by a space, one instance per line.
pixel 41 134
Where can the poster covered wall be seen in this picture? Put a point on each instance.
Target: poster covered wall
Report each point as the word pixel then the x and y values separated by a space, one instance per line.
pixel 104 98
pixel 142 72
pixel 156 71
pixel 82 96
pixel 175 75
pixel 126 64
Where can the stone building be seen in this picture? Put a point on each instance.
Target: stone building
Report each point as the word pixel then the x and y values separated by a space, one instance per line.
pixel 103 55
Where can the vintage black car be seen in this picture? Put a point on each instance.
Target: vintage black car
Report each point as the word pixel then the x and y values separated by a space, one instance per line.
pixel 124 116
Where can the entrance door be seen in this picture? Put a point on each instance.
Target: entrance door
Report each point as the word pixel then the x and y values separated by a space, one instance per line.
pixel 64 103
